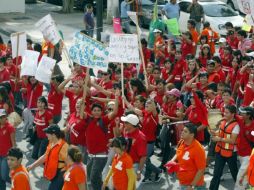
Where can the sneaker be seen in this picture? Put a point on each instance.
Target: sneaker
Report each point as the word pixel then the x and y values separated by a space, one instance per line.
pixel 158 177
pixel 147 180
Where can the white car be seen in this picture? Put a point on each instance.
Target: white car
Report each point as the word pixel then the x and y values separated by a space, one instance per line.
pixel 216 12
pixel 232 3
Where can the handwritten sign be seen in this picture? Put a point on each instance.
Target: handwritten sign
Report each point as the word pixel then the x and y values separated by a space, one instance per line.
pixel 29 63
pixel 244 6
pixel 48 28
pixel 45 69
pixel 123 48
pixel 89 52
pixel 18 44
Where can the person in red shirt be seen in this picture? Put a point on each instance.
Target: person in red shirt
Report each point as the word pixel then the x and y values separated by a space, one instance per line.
pixel 136 88
pixel 5 101
pixel 227 100
pixel 245 141
pixel 159 93
pixel 191 25
pixel 43 118
pixel 166 72
pixel 213 76
pixel 147 56
pixel 226 58
pixel 55 98
pixel 219 69
pixel 7 141
pixel 20 179
pixel 4 73
pixel 187 44
pixel 75 175
pixel 204 55
pixel 232 39
pixel 97 140
pixel 34 91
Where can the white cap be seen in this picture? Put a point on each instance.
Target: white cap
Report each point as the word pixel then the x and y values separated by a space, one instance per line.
pixel 251 54
pixel 222 40
pixel 156 30
pixel 130 118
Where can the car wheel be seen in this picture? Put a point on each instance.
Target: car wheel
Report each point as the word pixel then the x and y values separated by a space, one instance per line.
pixel 231 4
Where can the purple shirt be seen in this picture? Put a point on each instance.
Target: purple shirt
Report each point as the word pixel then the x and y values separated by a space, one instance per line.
pixel 88 18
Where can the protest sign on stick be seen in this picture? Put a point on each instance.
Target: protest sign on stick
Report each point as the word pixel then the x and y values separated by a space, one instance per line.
pixel 18 43
pixel 89 53
pixel 122 83
pixel 123 48
pixel 29 63
pixel 45 69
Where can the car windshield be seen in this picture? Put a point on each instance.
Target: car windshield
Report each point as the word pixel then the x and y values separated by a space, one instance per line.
pixel 218 10
pixel 145 2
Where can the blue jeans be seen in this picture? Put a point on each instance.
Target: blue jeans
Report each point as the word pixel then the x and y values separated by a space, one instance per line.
pixel 4 173
pixel 183 187
pixel 126 25
pixel 149 166
pixel 57 182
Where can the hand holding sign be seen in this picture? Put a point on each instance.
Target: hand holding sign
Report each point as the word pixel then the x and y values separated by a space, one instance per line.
pixel 45 69
pixel 29 63
pixel 18 44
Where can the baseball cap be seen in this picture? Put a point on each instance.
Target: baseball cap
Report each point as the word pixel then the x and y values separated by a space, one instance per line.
pixel 130 118
pixel 157 30
pixel 2 112
pixel 250 54
pixel 174 92
pixel 52 129
pixel 222 40
pixel 246 110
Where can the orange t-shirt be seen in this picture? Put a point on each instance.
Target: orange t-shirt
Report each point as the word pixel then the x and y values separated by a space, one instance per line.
pixel 74 176
pixel 191 159
pixel 20 179
pixel 3 47
pixel 45 46
pixel 119 167
pixel 211 36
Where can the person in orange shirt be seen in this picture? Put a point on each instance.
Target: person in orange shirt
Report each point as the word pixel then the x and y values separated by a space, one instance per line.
pixel 191 25
pixel 19 175
pixel 212 36
pixel 159 47
pixel 190 156
pixel 75 176
pixel 3 46
pixel 122 170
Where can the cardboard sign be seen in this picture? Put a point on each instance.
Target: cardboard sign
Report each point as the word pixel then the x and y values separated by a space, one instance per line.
pixel 18 44
pixel 89 52
pixel 45 69
pixel 29 63
pixel 124 48
pixel 48 28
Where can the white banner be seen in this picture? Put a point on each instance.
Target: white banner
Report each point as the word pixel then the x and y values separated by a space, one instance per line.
pixel 134 18
pixel 45 69
pixel 29 63
pixel 244 6
pixel 48 28
pixel 123 48
pixel 249 20
pixel 18 44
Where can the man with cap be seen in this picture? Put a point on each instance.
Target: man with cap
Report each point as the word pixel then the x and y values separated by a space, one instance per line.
pixel 54 157
pixel 245 142
pixel 7 141
pixel 137 144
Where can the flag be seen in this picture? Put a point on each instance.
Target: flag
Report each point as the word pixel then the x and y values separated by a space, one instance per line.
pixel 155 10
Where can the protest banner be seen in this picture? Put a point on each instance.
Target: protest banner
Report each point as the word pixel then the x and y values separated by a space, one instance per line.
pixel 123 48
pixel 89 53
pixel 48 28
pixel 29 63
pixel 133 16
pixel 244 6
pixel 172 26
pixel 45 69
pixel 18 44
pixel 117 25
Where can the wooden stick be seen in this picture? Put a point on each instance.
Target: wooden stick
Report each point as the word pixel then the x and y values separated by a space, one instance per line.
pixel 122 83
pixel 84 93
pixel 16 62
pixel 67 56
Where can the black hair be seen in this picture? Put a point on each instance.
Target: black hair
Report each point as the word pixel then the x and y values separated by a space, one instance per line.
pixel 188 34
pixel 157 68
pixel 7 86
pixel 75 154
pixel 200 95
pixel 231 108
pixel 204 37
pixel 242 33
pixel 141 98
pixel 43 100
pixel 209 55
pixel 228 48
pixel 143 41
pixel 227 90
pixel 33 85
pixel 89 6
pixel 211 62
pixel 229 24
pixel 1 40
pixel 192 23
pixel 96 105
pixel 119 142
pixel 246 58
pixel 37 47
pixel 5 96
pixel 158 81
pixel 206 24
pixel 216 59
pixel 29 41
pixel 16 153
pixel 58 78
pixel 138 83
pixel 191 128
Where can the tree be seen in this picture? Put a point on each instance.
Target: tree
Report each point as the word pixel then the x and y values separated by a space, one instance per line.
pixel 68 6
pixel 112 10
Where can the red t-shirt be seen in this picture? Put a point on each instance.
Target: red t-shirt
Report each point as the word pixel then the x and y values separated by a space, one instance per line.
pixel 55 99
pixel 203 60
pixel 72 99
pixel 178 70
pixel 5 138
pixel 4 75
pixel 233 77
pixel 107 86
pixel 165 74
pixel 76 128
pixel 96 138
pixel 186 48
pixel 159 98
pixel 233 43
pixel 244 79
pixel 138 146
pixel 149 126
pixel 42 122
pixel 33 95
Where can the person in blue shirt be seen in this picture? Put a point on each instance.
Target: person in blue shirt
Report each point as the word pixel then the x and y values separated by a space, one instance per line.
pixel 89 20
pixel 125 7
pixel 171 10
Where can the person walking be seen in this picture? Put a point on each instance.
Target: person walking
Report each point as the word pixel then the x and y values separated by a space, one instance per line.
pixel 125 7
pixel 89 20
pixel 54 158
pixel 196 13
pixel 225 146
pixel 19 175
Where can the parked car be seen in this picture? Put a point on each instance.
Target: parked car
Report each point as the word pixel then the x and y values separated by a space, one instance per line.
pixel 232 3
pixel 216 12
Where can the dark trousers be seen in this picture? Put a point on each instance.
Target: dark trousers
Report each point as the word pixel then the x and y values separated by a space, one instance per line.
pixel 94 171
pixel 39 148
pixel 220 162
pixel 4 173
pixel 165 147
pixel 57 182
pixel 150 167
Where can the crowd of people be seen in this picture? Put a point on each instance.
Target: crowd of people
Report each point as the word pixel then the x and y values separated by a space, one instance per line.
pixel 111 131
